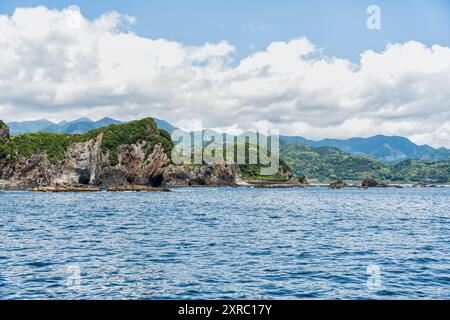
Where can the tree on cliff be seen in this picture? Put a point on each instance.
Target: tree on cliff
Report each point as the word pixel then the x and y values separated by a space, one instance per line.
pixel 55 145
pixel 4 132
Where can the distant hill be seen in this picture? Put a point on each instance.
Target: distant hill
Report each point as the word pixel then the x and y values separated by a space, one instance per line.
pixel 389 150
pixel 165 125
pixel 79 126
pixel 17 128
pixel 329 164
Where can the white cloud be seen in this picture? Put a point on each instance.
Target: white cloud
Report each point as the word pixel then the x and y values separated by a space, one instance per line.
pixel 60 65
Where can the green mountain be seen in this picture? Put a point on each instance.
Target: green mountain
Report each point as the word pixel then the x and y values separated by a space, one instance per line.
pixel 328 164
pixel 389 150
pixel 420 171
pixel 79 126
pixel 385 158
pixel 55 145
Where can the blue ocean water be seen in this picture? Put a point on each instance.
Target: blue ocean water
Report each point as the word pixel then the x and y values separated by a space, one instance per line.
pixel 227 244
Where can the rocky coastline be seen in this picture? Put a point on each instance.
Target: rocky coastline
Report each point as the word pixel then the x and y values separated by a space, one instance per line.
pixel 372 183
pixel 141 166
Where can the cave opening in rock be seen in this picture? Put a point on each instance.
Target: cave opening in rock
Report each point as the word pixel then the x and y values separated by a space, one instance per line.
pixel 201 182
pixel 156 181
pixel 84 176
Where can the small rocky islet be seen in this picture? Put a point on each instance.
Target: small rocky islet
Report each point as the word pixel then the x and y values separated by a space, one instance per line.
pixel 373 183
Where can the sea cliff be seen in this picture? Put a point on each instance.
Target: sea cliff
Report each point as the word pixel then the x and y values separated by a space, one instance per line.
pixel 117 157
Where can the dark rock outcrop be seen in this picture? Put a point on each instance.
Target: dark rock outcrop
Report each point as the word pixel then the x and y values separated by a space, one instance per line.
pixel 372 183
pixel 303 180
pixel 369 183
pixel 338 185
pixel 201 176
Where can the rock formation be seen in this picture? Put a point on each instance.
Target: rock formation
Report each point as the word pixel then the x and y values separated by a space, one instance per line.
pixel 188 176
pixel 304 180
pixel 372 183
pixel 338 185
pixel 420 185
pixel 91 162
pixel 4 133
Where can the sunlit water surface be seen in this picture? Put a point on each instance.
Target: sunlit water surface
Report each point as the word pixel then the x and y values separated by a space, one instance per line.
pixel 227 244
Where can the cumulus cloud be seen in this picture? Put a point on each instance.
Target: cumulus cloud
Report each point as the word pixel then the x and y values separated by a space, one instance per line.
pixel 57 64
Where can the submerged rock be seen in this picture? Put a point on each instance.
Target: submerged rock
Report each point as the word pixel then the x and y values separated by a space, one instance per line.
pixel 420 185
pixel 269 185
pixel 136 188
pixel 66 189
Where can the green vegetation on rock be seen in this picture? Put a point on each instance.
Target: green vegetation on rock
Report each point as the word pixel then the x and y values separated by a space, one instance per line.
pixel 56 145
pixel 130 133
pixel 330 164
pixel 327 163
pixel 420 171
pixel 322 163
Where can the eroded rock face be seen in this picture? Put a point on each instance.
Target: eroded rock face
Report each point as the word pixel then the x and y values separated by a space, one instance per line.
pixel 135 167
pixel 4 133
pixel 81 163
pixel 7 169
pixel 86 164
pixel 287 174
pixel 188 176
pixel 110 177
pixel 34 172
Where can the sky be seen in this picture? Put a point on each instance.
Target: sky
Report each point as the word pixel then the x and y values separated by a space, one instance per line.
pixel 310 68
pixel 250 25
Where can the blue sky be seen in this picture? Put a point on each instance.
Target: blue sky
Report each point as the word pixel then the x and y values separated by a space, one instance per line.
pixel 304 68
pixel 337 26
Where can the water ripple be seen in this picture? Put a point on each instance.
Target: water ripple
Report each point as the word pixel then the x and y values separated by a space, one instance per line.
pixel 226 244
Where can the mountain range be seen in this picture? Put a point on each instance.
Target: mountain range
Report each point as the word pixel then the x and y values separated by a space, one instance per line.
pixel 330 164
pixel 79 126
pixel 386 149
pixel 389 150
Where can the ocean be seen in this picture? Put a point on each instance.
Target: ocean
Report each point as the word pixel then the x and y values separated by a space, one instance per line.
pixel 228 243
